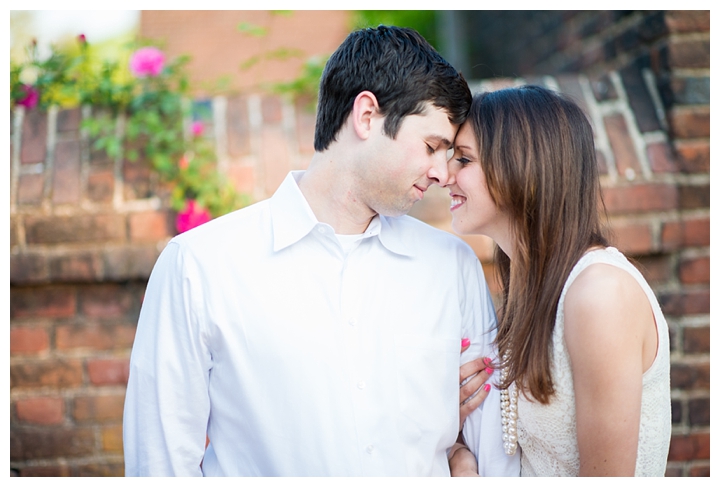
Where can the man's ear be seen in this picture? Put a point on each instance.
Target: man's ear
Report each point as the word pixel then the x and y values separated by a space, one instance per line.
pixel 366 112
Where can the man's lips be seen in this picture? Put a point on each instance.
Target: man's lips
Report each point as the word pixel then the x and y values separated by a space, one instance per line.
pixel 421 191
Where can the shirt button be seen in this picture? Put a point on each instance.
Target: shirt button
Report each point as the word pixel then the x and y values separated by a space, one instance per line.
pixel 370 449
pixel 322 229
pixel 361 384
pixel 352 322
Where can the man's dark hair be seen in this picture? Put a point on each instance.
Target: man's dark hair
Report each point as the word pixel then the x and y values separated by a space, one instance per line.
pixel 400 68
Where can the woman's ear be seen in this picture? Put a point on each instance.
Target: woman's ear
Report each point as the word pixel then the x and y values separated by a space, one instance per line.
pixel 366 111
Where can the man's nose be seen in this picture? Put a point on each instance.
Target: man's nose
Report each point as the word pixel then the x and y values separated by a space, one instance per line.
pixel 438 173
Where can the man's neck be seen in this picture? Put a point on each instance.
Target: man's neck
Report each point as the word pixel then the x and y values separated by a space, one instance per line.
pixel 330 192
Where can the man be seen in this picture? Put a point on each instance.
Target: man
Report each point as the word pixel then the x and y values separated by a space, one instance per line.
pixel 318 332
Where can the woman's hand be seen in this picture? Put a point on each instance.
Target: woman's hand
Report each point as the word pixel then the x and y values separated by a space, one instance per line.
pixel 476 372
pixel 462 461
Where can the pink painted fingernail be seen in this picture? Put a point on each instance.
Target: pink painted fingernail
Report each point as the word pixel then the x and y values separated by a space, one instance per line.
pixel 486 360
pixel 487 387
pixel 489 370
pixel 465 342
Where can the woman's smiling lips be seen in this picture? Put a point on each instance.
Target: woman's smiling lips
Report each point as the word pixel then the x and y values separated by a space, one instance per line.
pixel 456 201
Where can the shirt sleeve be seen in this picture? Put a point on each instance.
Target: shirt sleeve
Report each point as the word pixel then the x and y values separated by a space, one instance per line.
pixel 167 404
pixel 483 427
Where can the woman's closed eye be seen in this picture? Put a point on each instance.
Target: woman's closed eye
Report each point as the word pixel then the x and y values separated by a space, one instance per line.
pixel 462 160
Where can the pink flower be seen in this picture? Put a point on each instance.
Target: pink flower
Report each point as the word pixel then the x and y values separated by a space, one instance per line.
pixel 198 128
pixel 82 39
pixel 147 61
pixel 191 216
pixel 31 98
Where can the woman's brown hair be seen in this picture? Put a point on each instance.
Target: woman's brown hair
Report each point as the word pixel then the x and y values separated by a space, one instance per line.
pixel 537 151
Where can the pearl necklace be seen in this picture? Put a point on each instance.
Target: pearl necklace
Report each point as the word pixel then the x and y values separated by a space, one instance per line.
pixel 509 404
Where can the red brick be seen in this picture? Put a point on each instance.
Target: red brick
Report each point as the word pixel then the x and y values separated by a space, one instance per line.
pixel 76 266
pixel 655 268
pixel 689 122
pixel 622 144
pixel 101 185
pixel 679 303
pixel 242 178
pixel 68 120
pixel 601 163
pixel 275 157
pixel 34 137
pixel 689 53
pixel 661 158
pixel 75 229
pixel 107 301
pixel 643 197
pixel 137 178
pixel 685 21
pixel 305 123
pixel 30 189
pixel 699 411
pixel 690 376
pixel 47 443
pixel 699 471
pixel 106 468
pixel 693 155
pixel 94 337
pixel 150 226
pixel 28 268
pixel 41 410
pixel 686 233
pixel 108 371
pixel 673 471
pixel 238 126
pixel 696 340
pixel 693 446
pixel 695 270
pixel 50 302
pixel 112 439
pixel 98 408
pixel 28 340
pixel 53 373
pixel 66 176
pixel 633 238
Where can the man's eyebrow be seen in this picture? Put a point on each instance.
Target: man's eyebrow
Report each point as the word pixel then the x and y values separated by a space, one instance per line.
pixel 441 140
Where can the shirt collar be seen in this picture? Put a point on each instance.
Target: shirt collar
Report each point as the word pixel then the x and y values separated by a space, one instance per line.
pixel 293 219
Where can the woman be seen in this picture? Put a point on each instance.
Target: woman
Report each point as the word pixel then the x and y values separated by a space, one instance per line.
pixel 584 344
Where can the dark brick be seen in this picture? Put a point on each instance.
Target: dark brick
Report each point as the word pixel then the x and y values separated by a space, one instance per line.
pixel 699 471
pixel 603 88
pixel 699 412
pixel 66 180
pixel 28 268
pixel 98 408
pixel 694 270
pixel 109 469
pixel 135 262
pixel 655 268
pixel 75 229
pixel 30 189
pixel 696 340
pixel 68 120
pixel 689 53
pixel 106 301
pixel 76 266
pixel 676 408
pixel 693 155
pixel 34 444
pixel 50 373
pixel 689 302
pixel 693 446
pixel 46 302
pixel 570 86
pixel 45 471
pixel 34 137
pixel 639 99
pixel 686 233
pixel 137 178
pixel 693 196
pixel 690 376
pixel 673 471
pixel 14 237
pixel 691 90
pixel 652 27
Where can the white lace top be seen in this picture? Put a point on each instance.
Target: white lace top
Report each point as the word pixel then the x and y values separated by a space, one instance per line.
pixel 547 434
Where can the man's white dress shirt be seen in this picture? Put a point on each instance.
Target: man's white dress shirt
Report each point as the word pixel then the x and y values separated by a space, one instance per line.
pixel 299 360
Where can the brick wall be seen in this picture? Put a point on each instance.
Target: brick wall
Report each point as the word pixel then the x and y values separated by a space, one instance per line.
pixel 85 232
